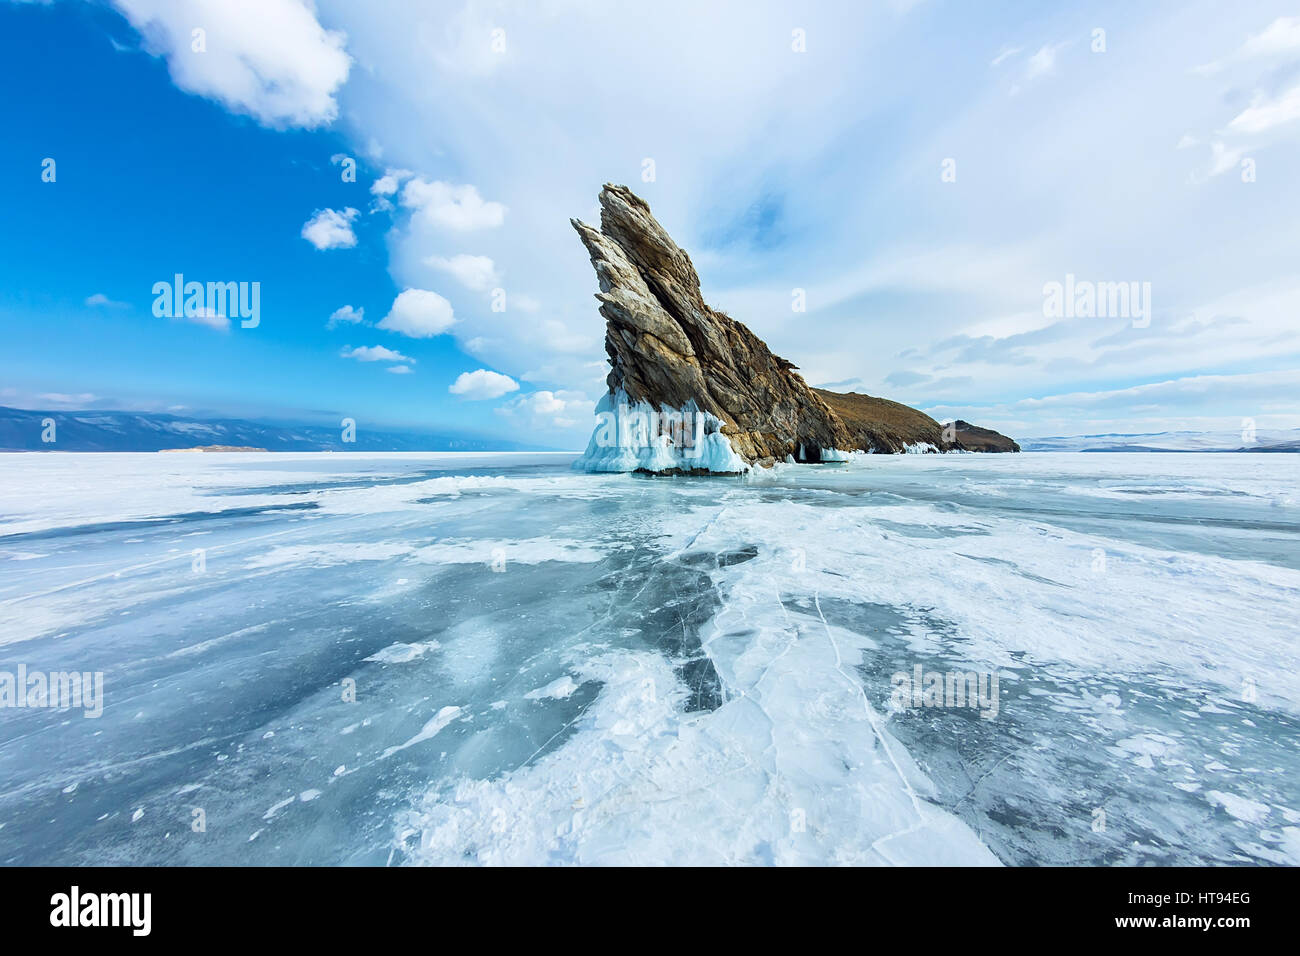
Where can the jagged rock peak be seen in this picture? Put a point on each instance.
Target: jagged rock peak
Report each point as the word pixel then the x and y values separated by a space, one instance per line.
pixel 667 347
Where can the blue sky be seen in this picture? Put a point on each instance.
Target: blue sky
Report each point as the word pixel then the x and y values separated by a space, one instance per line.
pixel 786 146
pixel 151 181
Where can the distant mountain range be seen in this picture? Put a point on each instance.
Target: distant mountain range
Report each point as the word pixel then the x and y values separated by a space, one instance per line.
pixel 22 430
pixel 1273 440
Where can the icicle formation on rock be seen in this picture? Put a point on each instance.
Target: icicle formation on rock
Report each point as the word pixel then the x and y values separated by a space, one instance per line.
pixel 641 438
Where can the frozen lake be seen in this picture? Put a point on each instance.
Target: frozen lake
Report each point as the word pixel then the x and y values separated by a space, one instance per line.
pixel 489 658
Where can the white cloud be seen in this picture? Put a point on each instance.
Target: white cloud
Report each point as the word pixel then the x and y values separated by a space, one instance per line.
pixel 73 401
pixel 550 409
pixel 374 353
pixel 270 59
pixel 419 313
pixel 473 272
pixel 1224 158
pixel 1041 63
pixel 346 315
pixel 1198 402
pixel 99 300
pixel 1265 114
pixel 455 207
pixel 387 184
pixel 425 102
pixel 481 384
pixel 400 369
pixel 540 403
pixel 208 318
pixel 1279 38
pixel 331 228
pixel 1003 54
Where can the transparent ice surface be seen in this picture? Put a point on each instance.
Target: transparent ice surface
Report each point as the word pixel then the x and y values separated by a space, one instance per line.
pixel 556 667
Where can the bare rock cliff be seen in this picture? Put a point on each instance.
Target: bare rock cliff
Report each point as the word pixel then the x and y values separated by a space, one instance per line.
pixel 667 347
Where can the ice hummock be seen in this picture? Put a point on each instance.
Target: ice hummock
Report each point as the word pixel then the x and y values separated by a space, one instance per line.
pixel 642 438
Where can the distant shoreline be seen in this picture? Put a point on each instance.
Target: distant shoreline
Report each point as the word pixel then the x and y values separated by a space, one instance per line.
pixel 164 451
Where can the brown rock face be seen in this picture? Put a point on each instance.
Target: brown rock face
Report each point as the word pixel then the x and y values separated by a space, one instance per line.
pixel 973 438
pixel 667 347
pixel 881 425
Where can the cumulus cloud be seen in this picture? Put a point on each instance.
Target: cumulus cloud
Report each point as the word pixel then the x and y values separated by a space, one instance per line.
pixel 478 273
pixel 270 59
pixel 419 313
pixel 550 409
pixel 331 228
pixel 101 301
pixel 374 353
pixel 388 183
pixel 386 186
pixel 481 384
pixel 454 207
pixel 400 369
pixel 346 315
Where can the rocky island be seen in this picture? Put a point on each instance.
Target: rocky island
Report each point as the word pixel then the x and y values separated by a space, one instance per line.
pixel 693 390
